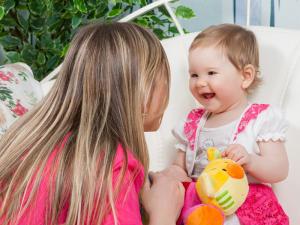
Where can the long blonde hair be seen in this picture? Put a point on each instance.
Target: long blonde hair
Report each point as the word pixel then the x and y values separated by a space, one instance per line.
pixel 107 77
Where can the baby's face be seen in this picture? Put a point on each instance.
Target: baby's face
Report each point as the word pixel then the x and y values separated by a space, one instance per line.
pixel 214 81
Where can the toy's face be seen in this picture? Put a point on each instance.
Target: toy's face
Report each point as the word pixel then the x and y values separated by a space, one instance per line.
pixel 221 169
pixel 222 176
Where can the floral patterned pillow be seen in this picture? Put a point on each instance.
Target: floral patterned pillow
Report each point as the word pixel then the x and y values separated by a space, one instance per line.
pixel 19 92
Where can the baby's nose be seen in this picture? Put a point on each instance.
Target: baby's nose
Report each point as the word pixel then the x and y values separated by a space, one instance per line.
pixel 201 82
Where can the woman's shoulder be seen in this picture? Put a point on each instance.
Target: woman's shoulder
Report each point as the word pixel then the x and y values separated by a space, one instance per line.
pixel 134 169
pixel 122 154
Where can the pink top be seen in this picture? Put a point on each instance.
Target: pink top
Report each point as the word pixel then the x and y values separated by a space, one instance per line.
pixel 127 204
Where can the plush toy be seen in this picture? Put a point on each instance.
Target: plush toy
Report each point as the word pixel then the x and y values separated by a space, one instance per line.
pixel 222 188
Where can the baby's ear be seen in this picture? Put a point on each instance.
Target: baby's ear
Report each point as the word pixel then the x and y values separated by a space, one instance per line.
pixel 248 74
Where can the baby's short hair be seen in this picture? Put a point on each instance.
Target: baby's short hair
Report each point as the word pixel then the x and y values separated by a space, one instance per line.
pixel 239 44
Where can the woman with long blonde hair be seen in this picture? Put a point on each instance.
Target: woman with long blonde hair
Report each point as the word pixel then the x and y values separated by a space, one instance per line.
pixel 80 156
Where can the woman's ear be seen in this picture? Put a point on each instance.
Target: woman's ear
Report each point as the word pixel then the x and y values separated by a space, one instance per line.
pixel 248 74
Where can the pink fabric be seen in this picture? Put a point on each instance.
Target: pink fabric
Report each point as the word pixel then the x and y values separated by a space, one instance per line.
pixel 191 124
pixel 191 199
pixel 35 215
pixel 252 113
pixel 127 204
pixel 261 207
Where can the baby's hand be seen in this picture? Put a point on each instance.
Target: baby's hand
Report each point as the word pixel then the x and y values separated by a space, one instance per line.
pixel 176 172
pixel 237 153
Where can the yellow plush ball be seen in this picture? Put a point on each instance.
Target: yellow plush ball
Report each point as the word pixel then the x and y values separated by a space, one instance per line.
pixel 223 183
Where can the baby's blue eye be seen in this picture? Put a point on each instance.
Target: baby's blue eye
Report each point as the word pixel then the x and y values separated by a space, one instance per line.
pixel 211 73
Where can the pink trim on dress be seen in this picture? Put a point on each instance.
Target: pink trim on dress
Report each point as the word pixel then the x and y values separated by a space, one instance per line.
pixel 251 114
pixel 190 126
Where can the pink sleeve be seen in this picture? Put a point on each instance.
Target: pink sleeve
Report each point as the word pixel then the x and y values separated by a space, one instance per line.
pixel 127 204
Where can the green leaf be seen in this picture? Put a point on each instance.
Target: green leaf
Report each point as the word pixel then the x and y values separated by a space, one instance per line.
pixel 45 41
pixel 53 22
pixel 9 42
pixel 115 12
pixel 157 20
pixel 143 2
pixel 159 33
pixel 22 4
pixel 164 11
pixel 2 12
pixel 52 62
pixel 8 21
pixel 129 2
pixel 13 56
pixel 37 7
pixel 41 59
pixel 37 23
pixel 29 54
pixel 80 5
pixel 173 30
pixel 142 22
pixel 184 12
pixel 92 3
pixel 23 16
pixel 76 21
pixel 101 10
pixel 8 5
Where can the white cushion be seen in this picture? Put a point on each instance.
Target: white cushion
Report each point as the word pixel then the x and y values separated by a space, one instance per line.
pixel 280 69
pixel 19 92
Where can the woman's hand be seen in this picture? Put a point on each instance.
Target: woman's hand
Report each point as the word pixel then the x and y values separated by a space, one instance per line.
pixel 163 199
pixel 176 172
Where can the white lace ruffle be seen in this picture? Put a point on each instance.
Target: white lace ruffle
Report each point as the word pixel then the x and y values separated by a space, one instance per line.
pixel 272 137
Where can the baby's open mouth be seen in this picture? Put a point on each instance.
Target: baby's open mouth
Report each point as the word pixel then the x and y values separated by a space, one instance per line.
pixel 208 95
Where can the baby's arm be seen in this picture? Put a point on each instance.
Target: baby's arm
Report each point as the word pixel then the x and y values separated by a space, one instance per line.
pixel 180 159
pixel 178 170
pixel 270 166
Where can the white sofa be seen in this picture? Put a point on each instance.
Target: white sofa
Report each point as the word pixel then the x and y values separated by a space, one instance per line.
pixel 280 69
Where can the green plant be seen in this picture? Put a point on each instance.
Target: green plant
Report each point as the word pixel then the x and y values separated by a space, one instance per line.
pixel 38 32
